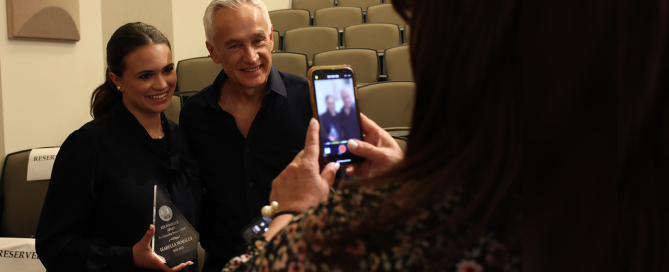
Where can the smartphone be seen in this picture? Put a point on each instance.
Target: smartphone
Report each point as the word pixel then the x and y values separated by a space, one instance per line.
pixel 334 102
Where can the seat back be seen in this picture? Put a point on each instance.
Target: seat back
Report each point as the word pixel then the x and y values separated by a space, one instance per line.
pixel 407 34
pixel 289 62
pixel 339 17
pixel 23 199
pixel 378 36
pixel 196 73
pixel 384 13
pixel 277 41
pixel 310 40
pixel 312 5
pixel 365 62
pixel 389 104
pixel 284 19
pixel 358 3
pixel 174 109
pixel 398 63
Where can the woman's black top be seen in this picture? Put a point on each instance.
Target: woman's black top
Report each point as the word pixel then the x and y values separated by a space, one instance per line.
pixel 100 198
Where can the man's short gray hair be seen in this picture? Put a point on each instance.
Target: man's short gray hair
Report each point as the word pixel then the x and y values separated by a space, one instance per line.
pixel 215 5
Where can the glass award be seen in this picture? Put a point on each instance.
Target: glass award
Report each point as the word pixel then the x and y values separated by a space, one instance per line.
pixel 175 239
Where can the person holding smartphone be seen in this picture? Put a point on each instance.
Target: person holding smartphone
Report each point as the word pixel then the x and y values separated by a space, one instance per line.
pixel 452 202
pixel 98 211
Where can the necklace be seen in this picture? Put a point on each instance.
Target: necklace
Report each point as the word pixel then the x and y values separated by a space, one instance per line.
pixel 162 134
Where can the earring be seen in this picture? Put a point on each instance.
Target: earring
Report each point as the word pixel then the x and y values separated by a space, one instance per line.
pixel 118 88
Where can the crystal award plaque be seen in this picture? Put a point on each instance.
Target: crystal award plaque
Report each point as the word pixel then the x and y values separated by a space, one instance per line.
pixel 175 239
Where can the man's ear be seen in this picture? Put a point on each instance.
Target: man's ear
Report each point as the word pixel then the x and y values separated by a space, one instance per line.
pixel 212 53
pixel 271 36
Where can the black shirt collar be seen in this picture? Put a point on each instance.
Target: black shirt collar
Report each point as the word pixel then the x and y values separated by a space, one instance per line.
pixel 274 82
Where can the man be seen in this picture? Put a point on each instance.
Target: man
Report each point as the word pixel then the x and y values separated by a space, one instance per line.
pixel 330 128
pixel 347 116
pixel 245 128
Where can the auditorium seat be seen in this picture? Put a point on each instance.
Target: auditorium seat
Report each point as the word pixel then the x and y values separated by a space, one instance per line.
pixel 284 19
pixel 312 5
pixel 309 40
pixel 174 108
pixel 365 62
pixel 397 61
pixel 339 17
pixel 358 3
pixel 407 34
pixel 185 95
pixel 378 36
pixel 196 73
pixel 200 257
pixel 384 13
pixel 21 200
pixel 277 41
pixel 290 62
pixel 389 104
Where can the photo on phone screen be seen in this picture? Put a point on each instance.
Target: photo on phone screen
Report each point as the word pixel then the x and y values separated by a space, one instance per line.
pixel 336 107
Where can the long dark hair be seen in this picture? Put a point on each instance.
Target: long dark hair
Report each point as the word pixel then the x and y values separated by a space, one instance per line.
pixel 643 148
pixel 125 39
pixel 465 131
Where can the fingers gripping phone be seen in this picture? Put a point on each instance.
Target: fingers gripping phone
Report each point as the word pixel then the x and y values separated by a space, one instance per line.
pixel 334 102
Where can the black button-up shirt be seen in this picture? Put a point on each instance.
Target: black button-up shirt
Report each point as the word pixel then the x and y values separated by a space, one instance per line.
pixel 237 172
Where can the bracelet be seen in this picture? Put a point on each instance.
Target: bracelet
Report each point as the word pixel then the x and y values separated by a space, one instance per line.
pixel 294 213
pixel 272 210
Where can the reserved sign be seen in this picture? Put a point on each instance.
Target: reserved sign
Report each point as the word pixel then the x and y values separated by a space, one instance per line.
pixel 40 163
pixel 18 254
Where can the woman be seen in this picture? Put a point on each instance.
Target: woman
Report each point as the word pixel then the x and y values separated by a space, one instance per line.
pixel 452 203
pixel 100 199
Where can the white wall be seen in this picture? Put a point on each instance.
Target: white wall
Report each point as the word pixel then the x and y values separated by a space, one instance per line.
pixel 277 4
pixel 116 13
pixel 188 29
pixel 46 86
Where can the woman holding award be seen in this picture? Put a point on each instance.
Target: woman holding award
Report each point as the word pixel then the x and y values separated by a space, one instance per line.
pixel 98 211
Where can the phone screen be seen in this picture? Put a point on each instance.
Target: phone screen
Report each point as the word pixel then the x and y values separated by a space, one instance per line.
pixel 337 112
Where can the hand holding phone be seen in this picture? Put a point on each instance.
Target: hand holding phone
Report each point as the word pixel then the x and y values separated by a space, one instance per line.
pixel 382 151
pixel 335 105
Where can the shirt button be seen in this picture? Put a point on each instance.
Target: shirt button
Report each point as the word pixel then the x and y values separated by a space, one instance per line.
pixel 250 184
pixel 248 150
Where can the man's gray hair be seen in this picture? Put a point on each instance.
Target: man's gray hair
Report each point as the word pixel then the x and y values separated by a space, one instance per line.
pixel 215 5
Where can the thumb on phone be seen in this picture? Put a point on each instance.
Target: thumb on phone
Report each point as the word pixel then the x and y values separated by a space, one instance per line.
pixel 330 172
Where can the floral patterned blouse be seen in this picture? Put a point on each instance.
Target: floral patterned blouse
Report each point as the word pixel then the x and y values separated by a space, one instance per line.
pixel 301 245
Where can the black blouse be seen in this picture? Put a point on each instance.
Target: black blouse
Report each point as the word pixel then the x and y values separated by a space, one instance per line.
pixel 100 198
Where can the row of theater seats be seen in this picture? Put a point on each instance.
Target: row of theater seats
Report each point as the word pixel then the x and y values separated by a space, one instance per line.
pixel 313 5
pixel 339 17
pixel 309 40
pixel 197 73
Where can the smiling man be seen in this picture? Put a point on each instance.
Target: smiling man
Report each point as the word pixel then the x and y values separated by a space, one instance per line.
pixel 245 128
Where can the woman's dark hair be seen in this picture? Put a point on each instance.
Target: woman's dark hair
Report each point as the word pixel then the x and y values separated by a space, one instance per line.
pixel 465 131
pixel 643 145
pixel 125 39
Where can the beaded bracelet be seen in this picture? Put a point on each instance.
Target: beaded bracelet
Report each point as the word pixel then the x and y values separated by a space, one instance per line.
pixel 272 210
